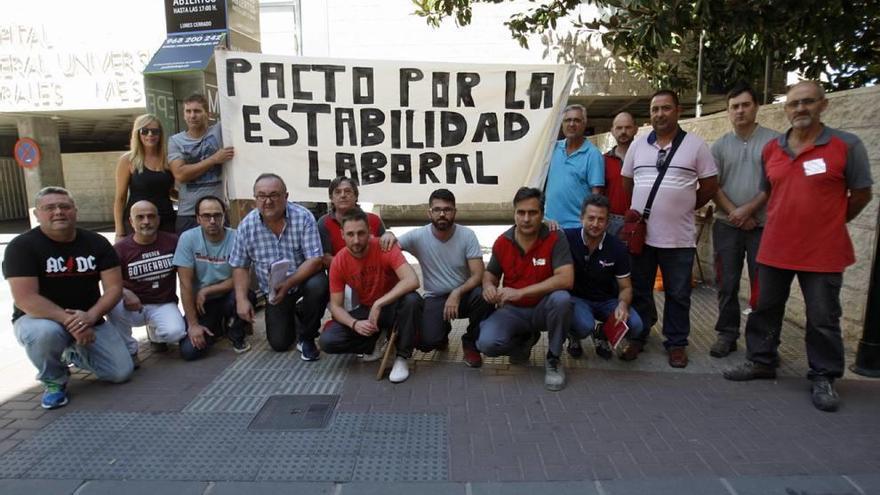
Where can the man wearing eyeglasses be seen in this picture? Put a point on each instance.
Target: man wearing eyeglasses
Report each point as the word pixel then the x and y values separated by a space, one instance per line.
pixel 811 166
pixel 739 213
pixel 576 170
pixel 196 157
pixel 452 270
pixel 690 181
pixel 206 288
pixel 279 230
pixel 149 294
pixel 58 315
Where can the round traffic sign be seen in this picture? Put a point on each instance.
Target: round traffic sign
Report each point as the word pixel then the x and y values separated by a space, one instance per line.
pixel 27 153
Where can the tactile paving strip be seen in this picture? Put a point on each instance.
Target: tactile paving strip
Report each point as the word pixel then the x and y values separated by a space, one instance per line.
pixel 245 385
pixel 212 447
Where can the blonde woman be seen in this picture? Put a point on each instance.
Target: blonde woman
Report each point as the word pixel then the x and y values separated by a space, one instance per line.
pixel 143 174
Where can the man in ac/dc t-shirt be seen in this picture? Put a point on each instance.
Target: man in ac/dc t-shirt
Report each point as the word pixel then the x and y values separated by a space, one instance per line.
pixel 53 273
pixel 149 279
pixel 386 288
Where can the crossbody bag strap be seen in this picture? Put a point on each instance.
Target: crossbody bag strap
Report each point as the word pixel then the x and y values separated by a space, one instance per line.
pixel 676 142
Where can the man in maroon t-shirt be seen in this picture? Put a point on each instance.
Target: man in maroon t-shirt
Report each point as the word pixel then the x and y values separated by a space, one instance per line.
pixel 537 271
pixel 385 285
pixel 149 282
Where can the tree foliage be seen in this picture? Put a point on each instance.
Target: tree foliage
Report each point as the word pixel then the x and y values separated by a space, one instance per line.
pixel 837 41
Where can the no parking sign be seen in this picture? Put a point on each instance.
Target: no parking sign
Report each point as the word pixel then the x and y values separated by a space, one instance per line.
pixel 27 153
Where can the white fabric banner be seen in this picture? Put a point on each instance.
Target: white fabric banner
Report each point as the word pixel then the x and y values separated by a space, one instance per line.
pixel 402 129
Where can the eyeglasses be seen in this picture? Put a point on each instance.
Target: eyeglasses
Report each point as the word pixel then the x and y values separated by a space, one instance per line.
pixel 572 121
pixel 265 197
pixel 211 216
pixel 661 159
pixel 65 207
pixel 442 211
pixel 150 131
pixel 803 101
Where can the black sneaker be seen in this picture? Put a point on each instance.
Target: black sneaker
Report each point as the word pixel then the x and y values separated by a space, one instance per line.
pixel 722 347
pixel 240 346
pixel 823 395
pixel 523 352
pixel 603 348
pixel 574 348
pixel 750 371
pixel 309 350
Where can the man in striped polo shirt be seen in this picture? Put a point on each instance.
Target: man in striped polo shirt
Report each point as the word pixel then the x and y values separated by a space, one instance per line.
pixel 691 180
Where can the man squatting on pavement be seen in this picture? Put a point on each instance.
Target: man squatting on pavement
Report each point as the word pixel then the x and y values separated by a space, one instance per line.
pixel 276 230
pixel 385 285
pixel 452 269
pixel 149 294
pixel 535 266
pixel 811 164
pixel 206 288
pixel 58 317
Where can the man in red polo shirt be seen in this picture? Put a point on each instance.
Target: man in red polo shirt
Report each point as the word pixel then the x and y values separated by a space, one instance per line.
pixel 810 165
pixel 537 271
pixel 624 129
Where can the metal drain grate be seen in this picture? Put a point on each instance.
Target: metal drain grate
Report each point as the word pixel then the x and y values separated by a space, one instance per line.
pixel 295 412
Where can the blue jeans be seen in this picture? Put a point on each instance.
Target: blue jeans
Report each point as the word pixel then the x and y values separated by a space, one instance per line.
pixel 676 265
pixel 585 313
pixel 46 340
pixel 510 326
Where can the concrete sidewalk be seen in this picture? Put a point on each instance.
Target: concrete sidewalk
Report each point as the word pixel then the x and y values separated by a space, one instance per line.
pixel 617 428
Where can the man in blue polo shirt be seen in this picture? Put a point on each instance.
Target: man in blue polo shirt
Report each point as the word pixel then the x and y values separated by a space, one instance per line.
pixel 602 287
pixel 576 169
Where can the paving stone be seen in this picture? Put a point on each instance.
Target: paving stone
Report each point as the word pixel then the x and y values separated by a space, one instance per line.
pixel 793 485
pixel 142 487
pixel 30 424
pixel 665 486
pixel 364 488
pixel 20 414
pixel 15 405
pixel 532 488
pixel 31 487
pixel 270 488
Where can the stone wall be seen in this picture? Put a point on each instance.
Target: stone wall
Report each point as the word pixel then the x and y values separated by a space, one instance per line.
pixel 853 111
pixel 91 178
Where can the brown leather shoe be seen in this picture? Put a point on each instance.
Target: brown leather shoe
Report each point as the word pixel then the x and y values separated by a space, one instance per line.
pixel 678 357
pixel 631 351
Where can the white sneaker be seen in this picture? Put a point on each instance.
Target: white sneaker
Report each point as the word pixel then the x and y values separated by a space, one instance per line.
pixel 400 371
pixel 378 352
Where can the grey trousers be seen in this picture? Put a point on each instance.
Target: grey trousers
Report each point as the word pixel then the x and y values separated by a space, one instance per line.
pixel 732 245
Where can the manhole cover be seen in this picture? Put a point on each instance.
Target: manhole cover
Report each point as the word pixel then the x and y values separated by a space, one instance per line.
pixel 295 412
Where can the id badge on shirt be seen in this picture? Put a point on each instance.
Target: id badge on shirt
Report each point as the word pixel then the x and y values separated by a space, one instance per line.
pixel 813 167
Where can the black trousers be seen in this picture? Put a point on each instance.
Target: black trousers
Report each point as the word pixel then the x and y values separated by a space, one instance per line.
pixel 405 314
pixel 822 302
pixel 284 325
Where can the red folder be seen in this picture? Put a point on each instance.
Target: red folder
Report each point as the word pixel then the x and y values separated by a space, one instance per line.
pixel 614 333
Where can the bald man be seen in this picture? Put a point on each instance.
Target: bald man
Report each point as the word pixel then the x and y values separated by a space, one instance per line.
pixel 149 281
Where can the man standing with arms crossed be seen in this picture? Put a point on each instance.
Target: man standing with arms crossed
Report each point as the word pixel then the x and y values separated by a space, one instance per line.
pixel 812 164
pixel 452 268
pixel 740 213
pixel 576 170
pixel 689 183
pixel 196 157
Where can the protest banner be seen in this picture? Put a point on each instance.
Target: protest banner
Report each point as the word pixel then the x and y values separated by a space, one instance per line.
pixel 402 129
